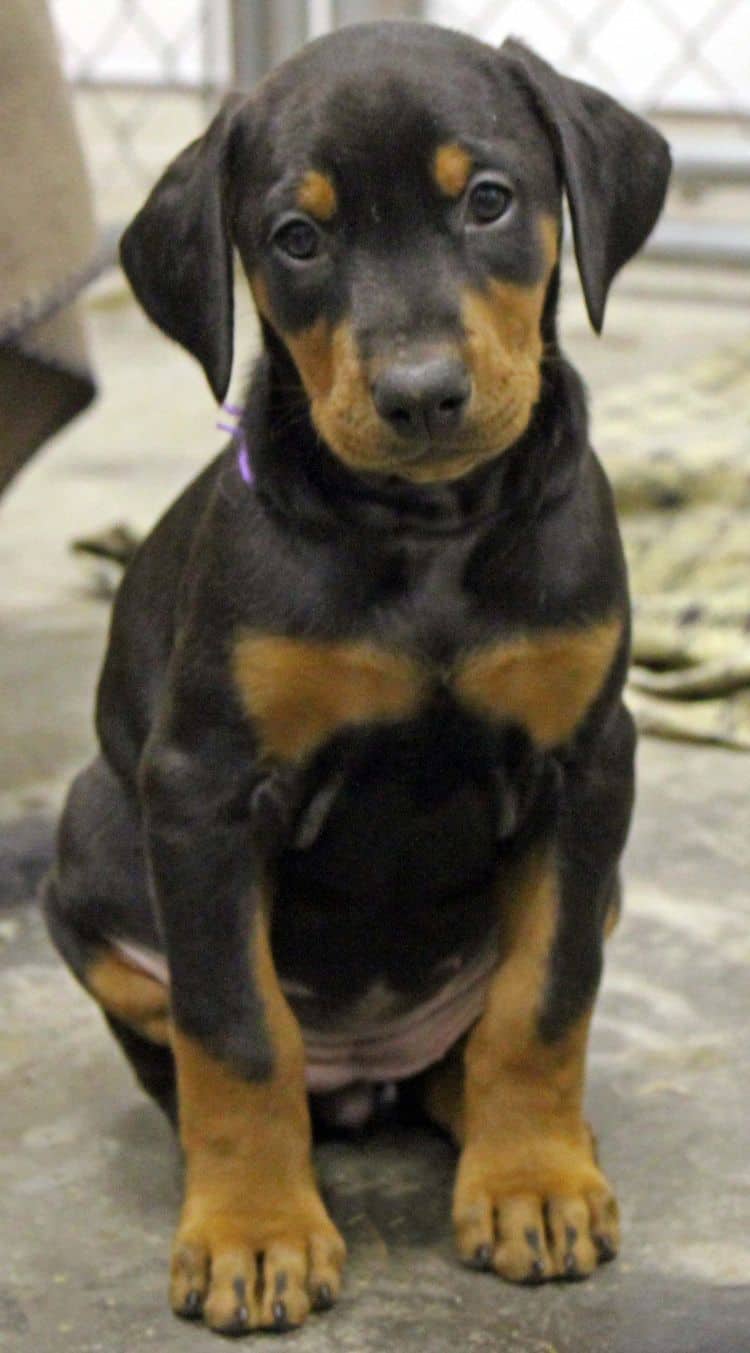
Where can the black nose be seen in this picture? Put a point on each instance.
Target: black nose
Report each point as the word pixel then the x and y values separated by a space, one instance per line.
pixel 423 399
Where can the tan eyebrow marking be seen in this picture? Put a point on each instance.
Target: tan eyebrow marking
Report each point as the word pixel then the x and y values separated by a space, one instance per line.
pixel 316 194
pixel 451 168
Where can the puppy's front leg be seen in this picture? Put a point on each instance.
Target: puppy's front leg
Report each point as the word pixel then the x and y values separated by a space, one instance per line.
pixel 531 1201
pixel 255 1247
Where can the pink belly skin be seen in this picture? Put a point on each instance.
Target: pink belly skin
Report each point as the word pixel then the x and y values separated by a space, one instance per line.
pixel 366 1046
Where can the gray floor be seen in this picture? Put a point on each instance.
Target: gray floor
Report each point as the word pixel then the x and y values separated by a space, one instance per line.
pixel 88 1172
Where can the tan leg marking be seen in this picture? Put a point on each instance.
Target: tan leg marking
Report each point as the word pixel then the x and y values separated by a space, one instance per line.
pixel 442 1093
pixel 546 681
pixel 139 1001
pixel 300 692
pixel 530 1200
pixel 255 1247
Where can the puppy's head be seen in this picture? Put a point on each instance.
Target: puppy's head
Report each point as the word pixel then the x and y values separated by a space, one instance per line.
pixel 394 193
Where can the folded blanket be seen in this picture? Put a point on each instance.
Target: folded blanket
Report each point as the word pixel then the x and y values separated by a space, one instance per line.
pixel 677 450
pixel 48 243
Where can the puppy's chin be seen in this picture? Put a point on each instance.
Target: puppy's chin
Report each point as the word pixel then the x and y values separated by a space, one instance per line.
pixel 430 469
pixel 430 463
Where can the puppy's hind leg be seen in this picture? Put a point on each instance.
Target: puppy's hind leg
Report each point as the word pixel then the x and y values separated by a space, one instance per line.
pixel 96 895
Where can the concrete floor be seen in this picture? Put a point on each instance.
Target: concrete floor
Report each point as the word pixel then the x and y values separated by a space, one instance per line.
pixel 88 1171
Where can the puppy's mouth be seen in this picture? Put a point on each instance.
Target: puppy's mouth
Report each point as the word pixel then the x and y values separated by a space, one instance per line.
pixel 426 460
pixel 435 459
pixel 433 455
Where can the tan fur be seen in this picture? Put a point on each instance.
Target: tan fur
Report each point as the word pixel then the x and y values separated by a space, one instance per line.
pixel 343 411
pixel 316 195
pixel 131 996
pixel 338 387
pixel 451 169
pixel 314 353
pixel 300 692
pixel 544 681
pixel 260 295
pixel 442 1092
pixel 503 350
pixel 527 1150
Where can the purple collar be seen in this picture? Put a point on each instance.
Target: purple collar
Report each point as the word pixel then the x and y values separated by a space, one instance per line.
pixel 240 440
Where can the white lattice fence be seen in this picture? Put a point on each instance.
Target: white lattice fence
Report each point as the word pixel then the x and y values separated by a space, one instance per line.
pixel 148 72
pixel 667 55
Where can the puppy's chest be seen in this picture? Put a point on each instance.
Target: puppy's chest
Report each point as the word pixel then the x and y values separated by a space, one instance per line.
pixel 431 648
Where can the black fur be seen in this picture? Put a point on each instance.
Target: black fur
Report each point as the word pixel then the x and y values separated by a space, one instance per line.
pixel 399 874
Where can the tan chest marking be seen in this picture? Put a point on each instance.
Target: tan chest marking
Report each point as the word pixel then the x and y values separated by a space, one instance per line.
pixel 546 682
pixel 300 692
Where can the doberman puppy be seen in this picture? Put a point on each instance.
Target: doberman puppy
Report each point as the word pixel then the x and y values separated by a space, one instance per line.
pixel 365 770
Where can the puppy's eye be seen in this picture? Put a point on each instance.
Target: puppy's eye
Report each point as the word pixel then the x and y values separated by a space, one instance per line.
pixel 298 239
pixel 488 200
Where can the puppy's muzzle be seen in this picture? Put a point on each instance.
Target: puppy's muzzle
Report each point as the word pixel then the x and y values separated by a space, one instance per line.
pixel 423 400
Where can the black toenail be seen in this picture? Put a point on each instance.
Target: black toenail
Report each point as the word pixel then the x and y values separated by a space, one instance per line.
pixel 483 1256
pixel 536 1273
pixel 239 1324
pixel 240 1289
pixel 280 1285
pixel 570 1266
pixel 571 1236
pixel 323 1297
pixel 192 1305
pixel 533 1239
pixel 279 1314
pixel 605 1248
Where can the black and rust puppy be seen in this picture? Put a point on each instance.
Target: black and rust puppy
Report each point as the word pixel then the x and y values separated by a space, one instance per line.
pixel 365 772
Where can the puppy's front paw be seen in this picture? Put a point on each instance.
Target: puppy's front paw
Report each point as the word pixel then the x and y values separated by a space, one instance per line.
pixel 532 1212
pixel 253 1269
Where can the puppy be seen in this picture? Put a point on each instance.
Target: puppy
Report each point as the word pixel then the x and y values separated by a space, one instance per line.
pixel 365 772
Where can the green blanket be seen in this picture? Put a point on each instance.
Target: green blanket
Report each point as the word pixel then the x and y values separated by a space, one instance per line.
pixel 677 450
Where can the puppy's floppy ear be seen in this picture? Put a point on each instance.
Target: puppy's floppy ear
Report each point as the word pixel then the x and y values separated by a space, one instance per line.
pixel 615 168
pixel 177 252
